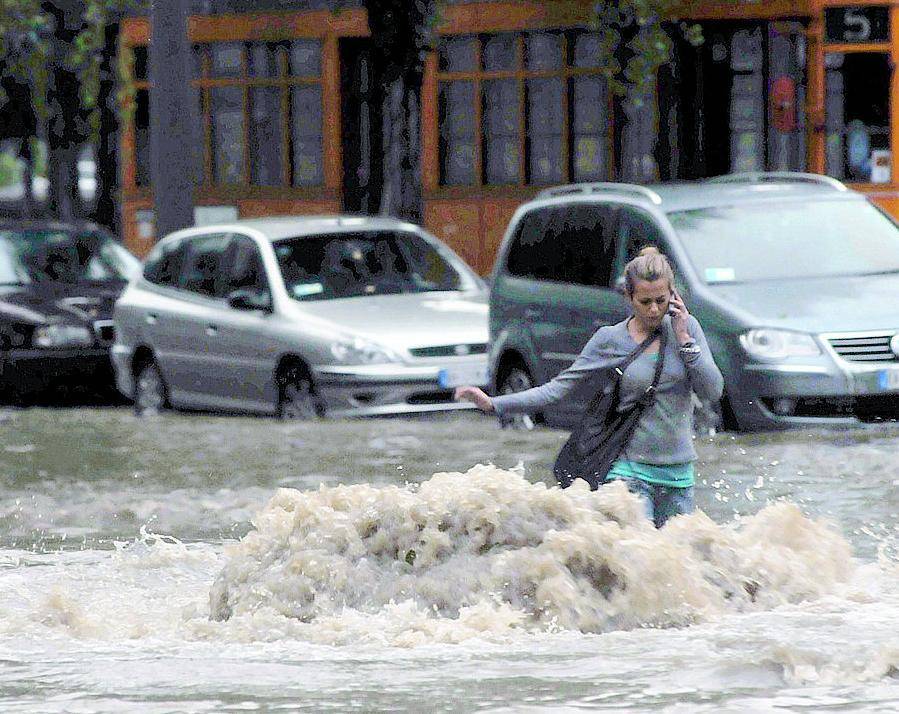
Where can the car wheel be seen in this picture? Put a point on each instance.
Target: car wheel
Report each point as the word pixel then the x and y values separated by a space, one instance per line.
pixel 517 379
pixel 296 398
pixel 149 390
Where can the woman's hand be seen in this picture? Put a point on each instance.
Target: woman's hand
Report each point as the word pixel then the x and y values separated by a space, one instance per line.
pixel 679 317
pixel 476 396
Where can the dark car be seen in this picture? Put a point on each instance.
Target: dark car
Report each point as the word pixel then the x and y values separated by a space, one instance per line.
pixel 794 278
pixel 58 284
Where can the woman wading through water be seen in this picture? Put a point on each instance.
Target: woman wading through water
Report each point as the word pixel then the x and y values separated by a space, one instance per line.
pixel 657 461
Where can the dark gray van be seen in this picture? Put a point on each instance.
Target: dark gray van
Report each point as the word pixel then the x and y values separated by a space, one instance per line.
pixel 794 278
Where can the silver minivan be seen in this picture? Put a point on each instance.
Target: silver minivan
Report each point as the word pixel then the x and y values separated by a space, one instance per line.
pixel 299 317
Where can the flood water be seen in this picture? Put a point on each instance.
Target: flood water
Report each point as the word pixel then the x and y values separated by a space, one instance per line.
pixel 208 564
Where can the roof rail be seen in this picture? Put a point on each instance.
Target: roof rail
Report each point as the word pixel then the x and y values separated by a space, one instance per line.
pixel 780 177
pixel 575 188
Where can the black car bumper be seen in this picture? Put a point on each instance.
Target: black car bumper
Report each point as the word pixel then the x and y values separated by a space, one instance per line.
pixel 24 372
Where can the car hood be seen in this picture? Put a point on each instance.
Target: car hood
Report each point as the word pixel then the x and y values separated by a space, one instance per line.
pixel 39 304
pixel 833 304
pixel 409 320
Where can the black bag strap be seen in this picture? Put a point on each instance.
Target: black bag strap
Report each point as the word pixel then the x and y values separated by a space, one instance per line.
pixel 660 364
pixel 641 348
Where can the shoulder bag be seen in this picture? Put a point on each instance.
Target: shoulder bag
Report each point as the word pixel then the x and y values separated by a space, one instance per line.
pixel 604 431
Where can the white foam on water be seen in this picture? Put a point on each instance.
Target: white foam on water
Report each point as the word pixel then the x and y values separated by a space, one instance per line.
pixel 486 553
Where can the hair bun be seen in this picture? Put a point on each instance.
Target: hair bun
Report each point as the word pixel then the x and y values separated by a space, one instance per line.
pixel 649 250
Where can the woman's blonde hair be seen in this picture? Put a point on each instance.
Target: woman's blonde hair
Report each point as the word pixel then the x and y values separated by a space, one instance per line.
pixel 649 265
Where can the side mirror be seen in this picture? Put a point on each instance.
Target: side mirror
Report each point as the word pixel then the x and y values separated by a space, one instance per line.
pixel 619 285
pixel 250 300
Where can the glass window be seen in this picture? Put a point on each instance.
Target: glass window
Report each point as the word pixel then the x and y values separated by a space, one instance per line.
pixel 636 230
pixel 306 127
pixel 265 136
pixel 202 265
pixel 305 58
pixel 587 50
pixel 590 127
pixel 227 58
pixel 501 142
pixel 857 111
pixel 227 134
pixel 544 51
pixel 545 130
pixel 344 265
pixel 457 135
pixel 262 59
pixel 458 54
pixel 62 257
pixel 526 133
pixel 571 244
pixel 245 270
pixel 788 241
pixel 585 238
pixel 531 253
pixel 163 265
pixel 500 53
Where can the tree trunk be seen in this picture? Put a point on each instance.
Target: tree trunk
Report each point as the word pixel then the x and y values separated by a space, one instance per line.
pixel 63 201
pixel 401 195
pixel 172 108
pixel 106 207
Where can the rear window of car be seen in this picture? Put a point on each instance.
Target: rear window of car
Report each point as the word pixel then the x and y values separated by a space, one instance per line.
pixel 353 264
pixel 788 240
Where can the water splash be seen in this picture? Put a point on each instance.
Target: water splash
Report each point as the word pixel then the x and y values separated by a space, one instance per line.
pixel 473 552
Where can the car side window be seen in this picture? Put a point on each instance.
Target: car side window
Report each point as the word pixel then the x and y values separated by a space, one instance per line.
pixel 531 255
pixel 585 235
pixel 636 230
pixel 163 266
pixel 566 244
pixel 202 265
pixel 244 269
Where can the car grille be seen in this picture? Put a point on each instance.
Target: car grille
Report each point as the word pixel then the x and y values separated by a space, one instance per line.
pixel 104 331
pixel 866 348
pixel 450 350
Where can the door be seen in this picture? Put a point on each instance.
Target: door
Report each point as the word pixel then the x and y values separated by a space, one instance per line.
pixel 189 326
pixel 361 130
pixel 245 352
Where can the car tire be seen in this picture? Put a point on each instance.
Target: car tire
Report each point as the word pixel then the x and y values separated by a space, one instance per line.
pixel 296 396
pixel 150 392
pixel 517 379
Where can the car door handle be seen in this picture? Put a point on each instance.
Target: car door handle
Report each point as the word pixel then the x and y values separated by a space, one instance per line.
pixel 151 318
pixel 212 330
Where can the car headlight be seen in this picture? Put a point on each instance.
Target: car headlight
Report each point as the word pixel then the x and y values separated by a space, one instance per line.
pixel 361 351
pixel 62 336
pixel 768 344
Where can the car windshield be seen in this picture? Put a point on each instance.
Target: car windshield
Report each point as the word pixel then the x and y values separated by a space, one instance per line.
pixel 39 256
pixel 788 240
pixel 342 265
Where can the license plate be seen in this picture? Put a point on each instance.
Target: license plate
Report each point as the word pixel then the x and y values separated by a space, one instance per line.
pixel 462 376
pixel 888 379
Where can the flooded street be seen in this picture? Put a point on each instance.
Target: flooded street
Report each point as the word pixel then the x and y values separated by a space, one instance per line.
pixel 155 566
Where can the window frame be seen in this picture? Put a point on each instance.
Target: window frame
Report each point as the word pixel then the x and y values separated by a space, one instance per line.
pixel 521 74
pixel 204 84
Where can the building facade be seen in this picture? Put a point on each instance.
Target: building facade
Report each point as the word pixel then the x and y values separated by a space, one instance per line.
pixel 514 100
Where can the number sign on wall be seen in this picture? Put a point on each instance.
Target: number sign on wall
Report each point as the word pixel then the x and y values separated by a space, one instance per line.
pixel 857 24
